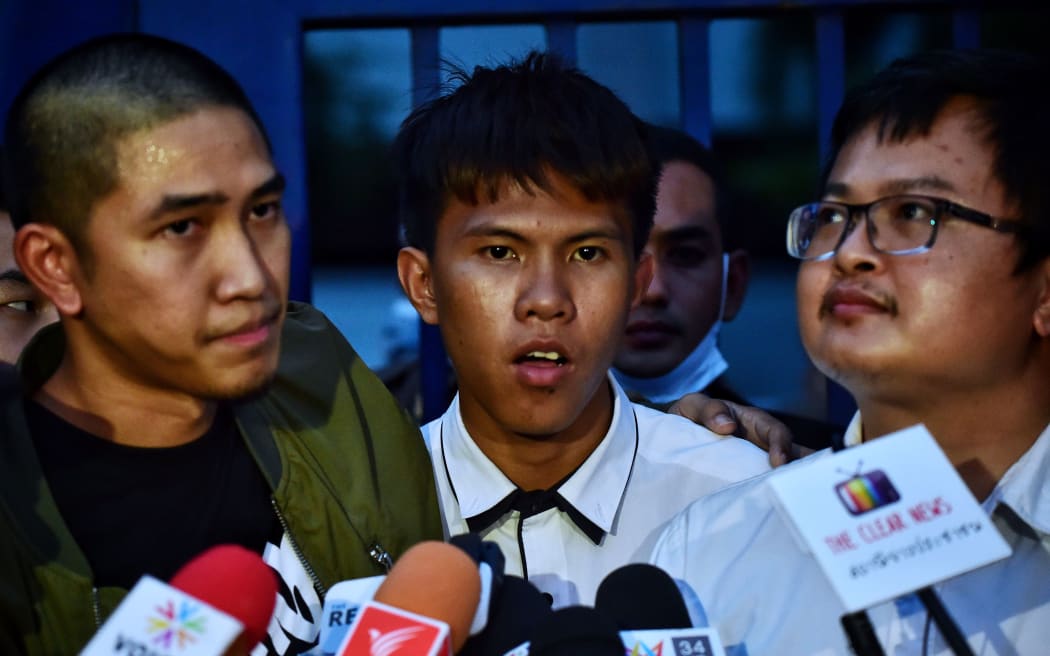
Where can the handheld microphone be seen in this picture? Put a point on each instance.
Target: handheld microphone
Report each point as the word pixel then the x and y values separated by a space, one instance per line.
pixel 518 607
pixel 491 563
pixel 236 581
pixel 641 596
pixel 881 526
pixel 424 606
pixel 575 631
pixel 220 603
pixel 650 611
pixel 342 603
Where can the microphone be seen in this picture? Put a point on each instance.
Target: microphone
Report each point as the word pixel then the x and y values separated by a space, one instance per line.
pixel 651 613
pixel 220 603
pixel 881 526
pixel 518 607
pixel 575 631
pixel 236 581
pixel 641 596
pixel 504 608
pixel 424 606
pixel 491 563
pixel 342 603
pixel 510 607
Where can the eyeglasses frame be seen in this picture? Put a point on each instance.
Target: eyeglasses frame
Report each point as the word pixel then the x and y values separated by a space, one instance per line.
pixel 942 207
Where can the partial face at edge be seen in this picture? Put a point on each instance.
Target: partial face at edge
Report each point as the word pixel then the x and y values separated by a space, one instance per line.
pixel 682 301
pixel 190 259
pixel 532 294
pixel 23 309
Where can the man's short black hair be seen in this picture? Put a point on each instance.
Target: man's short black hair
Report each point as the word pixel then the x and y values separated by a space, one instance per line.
pixel 64 127
pixel 517 124
pixel 666 145
pixel 906 98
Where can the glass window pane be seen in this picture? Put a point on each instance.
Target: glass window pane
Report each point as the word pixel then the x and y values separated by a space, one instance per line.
pixel 489 45
pixel 638 61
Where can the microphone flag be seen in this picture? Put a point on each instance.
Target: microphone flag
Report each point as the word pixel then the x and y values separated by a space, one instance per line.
pixel 158 619
pixel 383 630
pixel 672 642
pixel 886 518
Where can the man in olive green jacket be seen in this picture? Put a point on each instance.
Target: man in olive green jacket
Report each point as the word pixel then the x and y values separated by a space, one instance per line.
pixel 181 402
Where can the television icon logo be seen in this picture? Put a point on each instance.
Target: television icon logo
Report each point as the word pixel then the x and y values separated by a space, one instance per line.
pixel 866 492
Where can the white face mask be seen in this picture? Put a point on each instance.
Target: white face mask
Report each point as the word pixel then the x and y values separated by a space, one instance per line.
pixel 692 374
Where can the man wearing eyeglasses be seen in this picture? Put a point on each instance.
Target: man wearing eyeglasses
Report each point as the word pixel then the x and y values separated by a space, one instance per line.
pixel 924 289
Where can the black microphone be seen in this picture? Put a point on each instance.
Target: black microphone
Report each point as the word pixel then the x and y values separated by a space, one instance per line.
pixel 514 607
pixel 861 634
pixel 576 631
pixel 639 596
pixel 517 609
pixel 950 631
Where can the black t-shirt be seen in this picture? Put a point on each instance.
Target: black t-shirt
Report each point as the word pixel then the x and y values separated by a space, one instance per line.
pixel 135 510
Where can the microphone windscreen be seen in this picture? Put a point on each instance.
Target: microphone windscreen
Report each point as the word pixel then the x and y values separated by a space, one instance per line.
pixel 236 581
pixel 517 608
pixel 637 597
pixel 576 631
pixel 436 580
pixel 482 552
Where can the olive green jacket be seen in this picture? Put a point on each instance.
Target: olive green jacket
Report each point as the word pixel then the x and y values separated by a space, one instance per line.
pixel 351 480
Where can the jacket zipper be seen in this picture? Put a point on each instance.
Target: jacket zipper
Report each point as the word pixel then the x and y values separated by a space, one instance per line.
pixel 321 589
pixel 96 607
pixel 381 556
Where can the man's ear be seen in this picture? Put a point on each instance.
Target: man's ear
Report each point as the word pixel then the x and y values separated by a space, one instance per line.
pixel 643 275
pixel 413 270
pixel 49 261
pixel 1041 316
pixel 737 278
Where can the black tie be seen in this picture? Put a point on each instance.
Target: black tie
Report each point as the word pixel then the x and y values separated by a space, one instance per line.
pixel 532 503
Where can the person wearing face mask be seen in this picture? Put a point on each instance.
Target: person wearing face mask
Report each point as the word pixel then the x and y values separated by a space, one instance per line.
pixel 670 347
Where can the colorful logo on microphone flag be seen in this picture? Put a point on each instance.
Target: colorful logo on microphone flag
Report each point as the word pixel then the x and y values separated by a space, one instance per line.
pixel 382 630
pixel 866 492
pixel 672 642
pixel 642 649
pixel 176 624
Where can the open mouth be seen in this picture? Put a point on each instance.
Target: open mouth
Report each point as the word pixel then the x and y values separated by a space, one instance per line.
pixel 550 358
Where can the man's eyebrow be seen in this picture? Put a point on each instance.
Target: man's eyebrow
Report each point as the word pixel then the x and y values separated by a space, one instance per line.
pixel 599 233
pixel 493 231
pixel 274 185
pixel 507 233
pixel 181 202
pixel 900 186
pixel 683 233
pixel 14 274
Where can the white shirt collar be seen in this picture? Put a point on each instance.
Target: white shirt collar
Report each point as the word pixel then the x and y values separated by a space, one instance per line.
pixel 595 489
pixel 854 434
pixel 1024 485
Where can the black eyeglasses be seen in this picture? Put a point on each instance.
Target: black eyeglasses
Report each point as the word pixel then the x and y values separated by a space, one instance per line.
pixel 897 225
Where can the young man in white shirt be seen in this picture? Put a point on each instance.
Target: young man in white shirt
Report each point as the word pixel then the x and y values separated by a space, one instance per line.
pixel 925 291
pixel 527 198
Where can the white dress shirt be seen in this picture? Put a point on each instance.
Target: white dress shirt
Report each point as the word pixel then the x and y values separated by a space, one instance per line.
pixel 763 593
pixel 649 466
